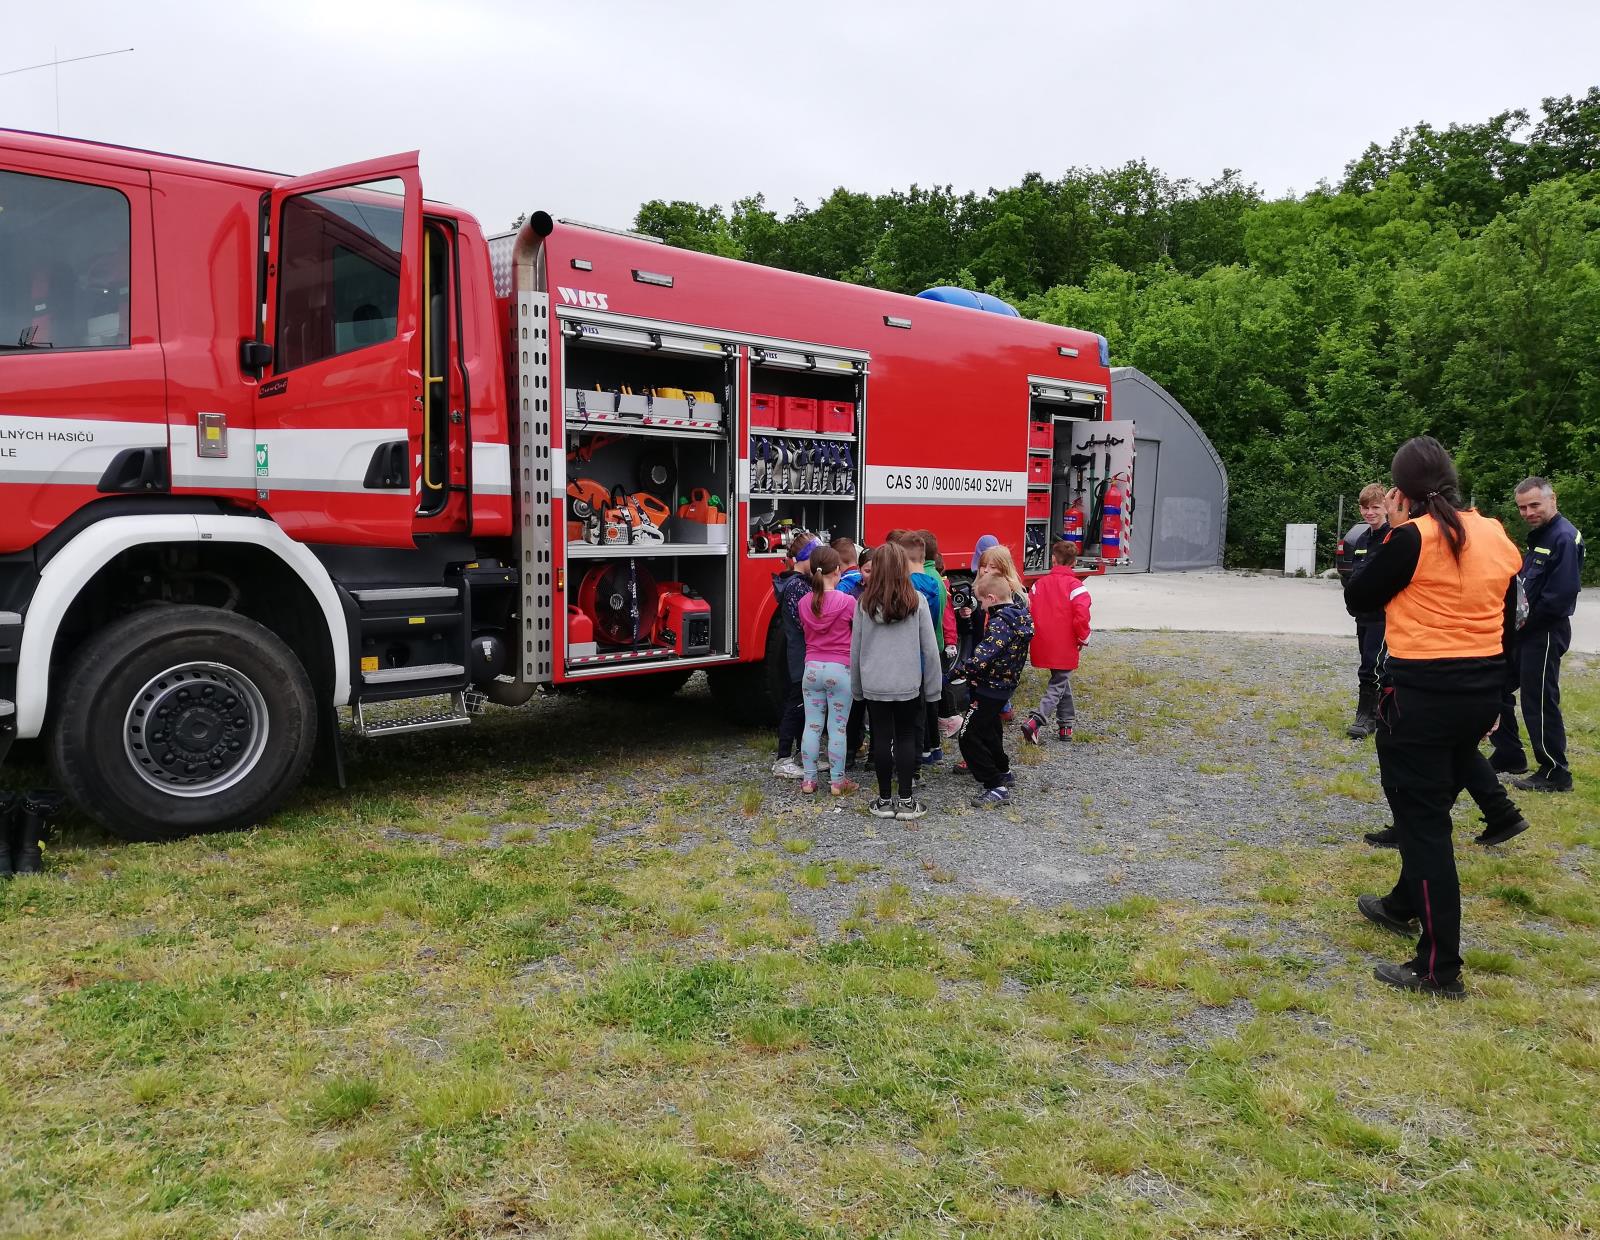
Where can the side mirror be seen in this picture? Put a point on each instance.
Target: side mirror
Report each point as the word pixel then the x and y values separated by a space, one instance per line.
pixel 254 356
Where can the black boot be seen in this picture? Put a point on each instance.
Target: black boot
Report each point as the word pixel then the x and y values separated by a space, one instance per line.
pixel 33 823
pixel 8 831
pixel 1366 720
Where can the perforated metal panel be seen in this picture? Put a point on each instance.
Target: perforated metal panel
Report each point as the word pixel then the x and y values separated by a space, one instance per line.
pixel 533 485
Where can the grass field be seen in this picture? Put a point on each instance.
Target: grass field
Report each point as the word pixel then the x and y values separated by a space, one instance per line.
pixel 496 989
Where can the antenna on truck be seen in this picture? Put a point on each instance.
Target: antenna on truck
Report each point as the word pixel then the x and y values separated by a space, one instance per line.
pixel 615 232
pixel 55 62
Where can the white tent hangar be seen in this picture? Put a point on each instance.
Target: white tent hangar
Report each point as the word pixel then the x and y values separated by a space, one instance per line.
pixel 1180 485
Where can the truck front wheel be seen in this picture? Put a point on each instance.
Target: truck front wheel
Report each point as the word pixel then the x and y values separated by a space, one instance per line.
pixel 177 720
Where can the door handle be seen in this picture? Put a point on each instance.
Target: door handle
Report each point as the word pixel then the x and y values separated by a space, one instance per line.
pixel 389 468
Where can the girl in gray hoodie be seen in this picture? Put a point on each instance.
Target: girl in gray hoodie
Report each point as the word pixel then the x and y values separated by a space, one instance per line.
pixel 894 668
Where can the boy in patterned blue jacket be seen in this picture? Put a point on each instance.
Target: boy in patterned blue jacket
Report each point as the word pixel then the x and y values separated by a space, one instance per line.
pixel 992 670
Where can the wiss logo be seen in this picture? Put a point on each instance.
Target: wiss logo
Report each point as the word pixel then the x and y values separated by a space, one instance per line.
pixel 583 297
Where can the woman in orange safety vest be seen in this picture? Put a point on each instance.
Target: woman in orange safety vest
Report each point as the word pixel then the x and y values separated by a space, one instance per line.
pixel 1445 579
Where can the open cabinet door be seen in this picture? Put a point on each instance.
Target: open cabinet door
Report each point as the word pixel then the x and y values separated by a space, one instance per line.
pixel 339 410
pixel 1102 469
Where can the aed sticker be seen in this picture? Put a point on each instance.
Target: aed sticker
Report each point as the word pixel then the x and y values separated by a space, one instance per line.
pixel 261 460
pixel 919 484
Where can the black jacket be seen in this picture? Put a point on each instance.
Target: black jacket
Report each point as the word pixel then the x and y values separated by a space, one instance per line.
pixel 1551 571
pixel 1355 553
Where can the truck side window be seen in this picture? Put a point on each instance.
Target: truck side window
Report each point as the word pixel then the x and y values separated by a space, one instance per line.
pixel 338 271
pixel 63 264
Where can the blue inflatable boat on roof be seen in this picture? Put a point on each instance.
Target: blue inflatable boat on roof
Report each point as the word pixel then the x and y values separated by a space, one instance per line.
pixel 972 301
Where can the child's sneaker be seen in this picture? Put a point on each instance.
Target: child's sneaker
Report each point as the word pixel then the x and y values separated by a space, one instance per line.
pixel 808 787
pixel 1007 714
pixel 933 756
pixel 908 808
pixel 1030 732
pixel 788 768
pixel 843 787
pixel 1009 778
pixel 961 768
pixel 882 807
pixel 991 797
pixel 1064 732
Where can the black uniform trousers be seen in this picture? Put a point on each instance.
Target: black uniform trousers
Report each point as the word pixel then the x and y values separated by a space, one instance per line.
pixel 1369 638
pixel 1427 751
pixel 1536 674
pixel 983 742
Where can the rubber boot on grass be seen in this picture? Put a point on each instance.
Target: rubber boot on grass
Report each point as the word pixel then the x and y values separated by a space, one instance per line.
pixel 33 825
pixel 8 832
pixel 1366 720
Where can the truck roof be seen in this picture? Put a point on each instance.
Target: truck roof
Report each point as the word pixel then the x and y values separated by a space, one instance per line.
pixel 135 157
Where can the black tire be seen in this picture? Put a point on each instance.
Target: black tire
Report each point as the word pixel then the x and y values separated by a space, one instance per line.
pixel 241 695
pixel 752 693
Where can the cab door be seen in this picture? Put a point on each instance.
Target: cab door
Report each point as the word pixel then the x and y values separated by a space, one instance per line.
pixel 339 407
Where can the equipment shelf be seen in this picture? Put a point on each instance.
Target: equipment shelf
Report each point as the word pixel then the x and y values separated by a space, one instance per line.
pixel 763 432
pixel 611 423
pixel 638 551
pixel 755 495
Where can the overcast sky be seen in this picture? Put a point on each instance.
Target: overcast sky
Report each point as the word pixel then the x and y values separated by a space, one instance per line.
pixel 587 108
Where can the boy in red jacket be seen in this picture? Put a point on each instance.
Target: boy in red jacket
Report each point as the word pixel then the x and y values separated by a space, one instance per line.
pixel 1060 605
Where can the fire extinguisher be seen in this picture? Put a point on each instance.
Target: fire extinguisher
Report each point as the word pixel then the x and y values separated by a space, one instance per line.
pixel 1111 522
pixel 1072 525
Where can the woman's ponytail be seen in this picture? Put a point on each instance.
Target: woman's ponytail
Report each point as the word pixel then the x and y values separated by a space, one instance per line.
pixel 1424 473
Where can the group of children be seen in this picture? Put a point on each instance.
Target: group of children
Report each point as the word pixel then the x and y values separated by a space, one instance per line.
pixel 883 640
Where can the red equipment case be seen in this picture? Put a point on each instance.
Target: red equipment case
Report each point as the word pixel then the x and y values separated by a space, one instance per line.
pixel 763 410
pixel 683 621
pixel 798 413
pixel 1038 505
pixel 1041 435
pixel 1038 469
pixel 837 417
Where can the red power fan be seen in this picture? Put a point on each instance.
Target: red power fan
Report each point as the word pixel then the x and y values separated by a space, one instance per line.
pixel 622 599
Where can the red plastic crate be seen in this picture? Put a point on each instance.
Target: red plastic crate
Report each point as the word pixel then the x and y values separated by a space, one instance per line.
pixel 1041 435
pixel 763 410
pixel 1038 469
pixel 836 417
pixel 1038 505
pixel 797 413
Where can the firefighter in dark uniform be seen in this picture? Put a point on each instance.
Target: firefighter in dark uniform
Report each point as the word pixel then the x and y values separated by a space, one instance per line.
pixel 1551 571
pixel 1354 550
pixel 1446 579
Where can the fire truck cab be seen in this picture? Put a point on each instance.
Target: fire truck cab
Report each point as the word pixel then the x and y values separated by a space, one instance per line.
pixel 273 449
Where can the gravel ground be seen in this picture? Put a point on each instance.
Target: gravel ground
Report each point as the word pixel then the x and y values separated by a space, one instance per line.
pixel 1105 817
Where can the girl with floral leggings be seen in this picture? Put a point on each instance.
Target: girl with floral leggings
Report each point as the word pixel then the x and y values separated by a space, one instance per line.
pixel 826 617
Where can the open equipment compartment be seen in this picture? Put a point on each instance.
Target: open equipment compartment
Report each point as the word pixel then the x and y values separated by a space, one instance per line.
pixel 1088 457
pixel 646 414
pixel 807 412
pixel 1057 410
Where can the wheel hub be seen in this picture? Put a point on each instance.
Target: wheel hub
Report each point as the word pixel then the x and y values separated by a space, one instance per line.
pixel 196 729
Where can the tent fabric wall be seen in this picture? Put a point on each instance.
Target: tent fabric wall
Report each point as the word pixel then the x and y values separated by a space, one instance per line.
pixel 1180 515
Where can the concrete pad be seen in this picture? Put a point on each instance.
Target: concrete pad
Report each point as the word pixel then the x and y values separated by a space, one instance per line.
pixel 1227 602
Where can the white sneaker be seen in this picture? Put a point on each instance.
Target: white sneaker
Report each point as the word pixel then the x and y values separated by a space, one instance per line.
pixel 787 768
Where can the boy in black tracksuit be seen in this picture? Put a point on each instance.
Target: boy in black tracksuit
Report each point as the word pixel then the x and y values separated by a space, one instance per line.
pixel 993 670
pixel 1355 549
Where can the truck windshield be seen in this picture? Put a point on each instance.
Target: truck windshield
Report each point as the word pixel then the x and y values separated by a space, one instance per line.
pixel 63 264
pixel 339 271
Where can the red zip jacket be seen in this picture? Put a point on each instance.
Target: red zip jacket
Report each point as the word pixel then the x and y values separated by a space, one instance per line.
pixel 1060 619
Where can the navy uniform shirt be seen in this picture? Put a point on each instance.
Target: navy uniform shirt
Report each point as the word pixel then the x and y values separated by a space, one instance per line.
pixel 1551 571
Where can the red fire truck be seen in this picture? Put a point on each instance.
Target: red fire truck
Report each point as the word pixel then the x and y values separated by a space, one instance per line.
pixel 272 449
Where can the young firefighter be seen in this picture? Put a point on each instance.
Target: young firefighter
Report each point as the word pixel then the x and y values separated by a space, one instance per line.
pixel 826 616
pixel 992 670
pixel 1446 580
pixel 894 668
pixel 1060 610
pixel 1354 551
pixel 791 586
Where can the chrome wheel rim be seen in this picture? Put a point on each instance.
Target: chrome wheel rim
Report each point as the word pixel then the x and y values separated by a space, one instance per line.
pixel 196 729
